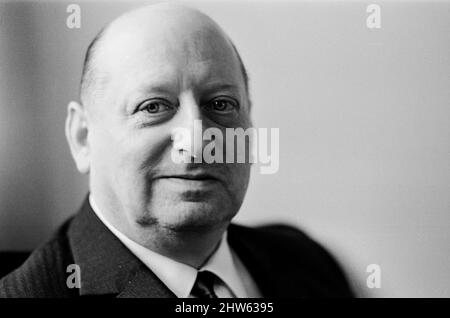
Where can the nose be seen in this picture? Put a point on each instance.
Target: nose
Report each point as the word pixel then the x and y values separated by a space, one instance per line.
pixel 187 141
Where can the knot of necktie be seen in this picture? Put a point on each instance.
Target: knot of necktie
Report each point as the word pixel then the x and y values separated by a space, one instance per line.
pixel 204 285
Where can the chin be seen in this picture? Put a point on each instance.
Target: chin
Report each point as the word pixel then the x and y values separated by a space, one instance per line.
pixel 189 216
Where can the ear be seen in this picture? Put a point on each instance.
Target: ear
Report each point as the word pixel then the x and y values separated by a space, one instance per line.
pixel 77 135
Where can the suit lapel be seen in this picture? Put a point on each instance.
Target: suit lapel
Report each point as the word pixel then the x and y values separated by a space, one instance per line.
pixel 107 266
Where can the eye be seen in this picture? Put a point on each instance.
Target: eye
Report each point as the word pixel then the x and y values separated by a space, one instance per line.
pixel 222 105
pixel 155 106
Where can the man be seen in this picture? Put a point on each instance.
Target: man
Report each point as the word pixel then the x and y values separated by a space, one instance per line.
pixel 156 222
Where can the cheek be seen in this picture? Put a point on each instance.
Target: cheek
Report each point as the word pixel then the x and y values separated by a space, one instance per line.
pixel 239 176
pixel 129 153
pixel 142 151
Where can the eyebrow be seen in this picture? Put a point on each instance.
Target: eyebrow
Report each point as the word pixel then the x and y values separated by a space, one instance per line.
pixel 223 86
pixel 163 89
pixel 167 88
pixel 210 88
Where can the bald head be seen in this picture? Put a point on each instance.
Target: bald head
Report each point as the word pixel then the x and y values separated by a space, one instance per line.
pixel 157 27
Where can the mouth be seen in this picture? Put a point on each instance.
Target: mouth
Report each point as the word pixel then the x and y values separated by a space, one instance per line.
pixel 201 177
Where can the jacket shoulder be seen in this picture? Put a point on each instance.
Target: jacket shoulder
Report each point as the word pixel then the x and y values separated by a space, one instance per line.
pixel 293 253
pixel 43 274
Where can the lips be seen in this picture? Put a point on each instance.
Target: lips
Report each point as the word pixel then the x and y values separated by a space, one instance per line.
pixel 205 177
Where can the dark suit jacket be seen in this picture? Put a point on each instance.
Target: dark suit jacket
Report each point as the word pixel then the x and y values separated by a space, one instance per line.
pixel 283 261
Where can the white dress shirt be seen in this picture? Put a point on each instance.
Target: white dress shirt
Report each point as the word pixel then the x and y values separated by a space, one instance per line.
pixel 180 277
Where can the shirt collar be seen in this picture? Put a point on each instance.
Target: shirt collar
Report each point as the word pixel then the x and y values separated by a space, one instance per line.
pixel 222 264
pixel 177 276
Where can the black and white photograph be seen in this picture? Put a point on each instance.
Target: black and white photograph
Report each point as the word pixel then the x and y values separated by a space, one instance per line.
pixel 260 150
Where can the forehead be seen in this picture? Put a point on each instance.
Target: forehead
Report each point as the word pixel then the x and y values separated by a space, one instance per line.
pixel 192 55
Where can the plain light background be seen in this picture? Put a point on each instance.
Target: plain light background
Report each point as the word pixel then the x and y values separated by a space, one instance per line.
pixel 363 117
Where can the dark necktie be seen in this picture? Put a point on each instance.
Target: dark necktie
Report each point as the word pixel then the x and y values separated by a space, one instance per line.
pixel 203 287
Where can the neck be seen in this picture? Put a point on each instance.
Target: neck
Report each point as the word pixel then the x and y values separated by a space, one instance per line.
pixel 189 247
